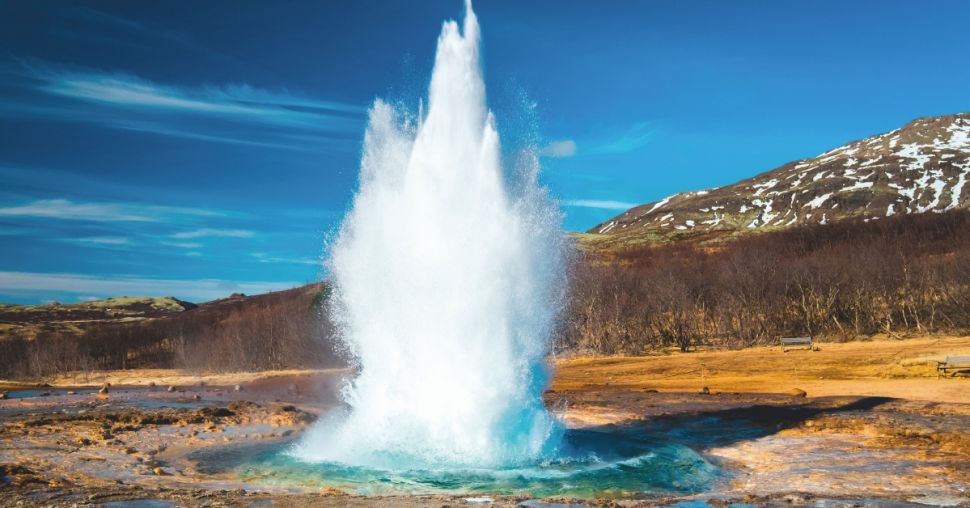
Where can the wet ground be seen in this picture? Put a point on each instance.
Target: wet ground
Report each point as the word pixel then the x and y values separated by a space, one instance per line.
pixel 199 445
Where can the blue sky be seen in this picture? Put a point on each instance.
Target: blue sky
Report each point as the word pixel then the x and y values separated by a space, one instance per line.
pixel 201 148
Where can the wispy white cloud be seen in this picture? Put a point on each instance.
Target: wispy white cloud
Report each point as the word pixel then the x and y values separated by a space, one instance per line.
pixel 247 94
pixel 559 149
pixel 214 232
pixel 237 114
pixel 625 140
pixel 105 240
pixel 183 245
pixel 101 212
pixel 600 204
pixel 262 257
pixel 240 102
pixel 179 132
pixel 87 285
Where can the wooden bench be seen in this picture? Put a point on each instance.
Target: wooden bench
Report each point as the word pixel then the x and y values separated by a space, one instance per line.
pixel 793 342
pixel 952 364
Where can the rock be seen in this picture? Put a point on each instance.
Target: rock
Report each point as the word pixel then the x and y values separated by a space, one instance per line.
pixel 242 406
pixel 158 471
pixel 705 391
pixel 216 412
pixel 797 392
pixel 171 388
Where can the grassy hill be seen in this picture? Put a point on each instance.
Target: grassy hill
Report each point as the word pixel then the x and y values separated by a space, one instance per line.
pixel 31 321
pixel 273 330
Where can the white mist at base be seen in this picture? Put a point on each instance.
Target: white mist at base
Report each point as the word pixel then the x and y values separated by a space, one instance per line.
pixel 448 276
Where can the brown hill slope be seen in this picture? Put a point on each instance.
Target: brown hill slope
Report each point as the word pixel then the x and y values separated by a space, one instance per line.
pixel 273 330
pixel 31 321
pixel 921 167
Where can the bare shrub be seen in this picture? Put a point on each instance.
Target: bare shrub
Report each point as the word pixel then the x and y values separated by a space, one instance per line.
pixel 900 275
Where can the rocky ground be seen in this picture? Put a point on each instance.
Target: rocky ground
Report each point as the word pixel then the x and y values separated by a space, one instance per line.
pixel 160 446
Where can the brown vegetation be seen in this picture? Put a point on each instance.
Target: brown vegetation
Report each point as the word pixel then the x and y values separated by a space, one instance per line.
pixel 898 275
pixel 285 329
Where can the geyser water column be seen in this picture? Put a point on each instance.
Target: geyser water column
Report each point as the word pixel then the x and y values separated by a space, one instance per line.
pixel 448 276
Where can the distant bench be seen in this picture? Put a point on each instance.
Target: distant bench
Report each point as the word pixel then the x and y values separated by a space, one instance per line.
pixel 793 342
pixel 954 364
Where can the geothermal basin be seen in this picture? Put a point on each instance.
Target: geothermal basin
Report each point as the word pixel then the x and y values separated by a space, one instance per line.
pixel 621 443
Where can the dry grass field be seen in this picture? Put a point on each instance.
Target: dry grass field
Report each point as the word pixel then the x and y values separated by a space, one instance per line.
pixel 904 369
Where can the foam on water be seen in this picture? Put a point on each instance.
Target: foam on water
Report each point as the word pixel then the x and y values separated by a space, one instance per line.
pixel 448 276
pixel 589 464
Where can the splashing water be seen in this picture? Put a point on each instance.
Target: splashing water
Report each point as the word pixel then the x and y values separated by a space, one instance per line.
pixel 448 277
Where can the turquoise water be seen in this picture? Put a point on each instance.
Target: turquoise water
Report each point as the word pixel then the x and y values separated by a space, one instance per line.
pixel 590 464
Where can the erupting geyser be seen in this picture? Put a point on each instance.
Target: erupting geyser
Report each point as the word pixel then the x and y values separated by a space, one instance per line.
pixel 448 275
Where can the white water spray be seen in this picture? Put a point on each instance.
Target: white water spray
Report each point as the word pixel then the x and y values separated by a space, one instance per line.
pixel 448 276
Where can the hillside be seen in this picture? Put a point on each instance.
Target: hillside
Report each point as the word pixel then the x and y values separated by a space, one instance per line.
pixel 29 321
pixel 920 167
pixel 270 330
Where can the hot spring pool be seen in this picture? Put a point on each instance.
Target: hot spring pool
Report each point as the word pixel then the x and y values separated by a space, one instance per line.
pixel 591 465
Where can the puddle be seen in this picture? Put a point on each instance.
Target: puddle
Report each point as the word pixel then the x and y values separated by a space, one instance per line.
pixel 941 500
pixel 140 503
pixel 150 403
pixel 44 392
